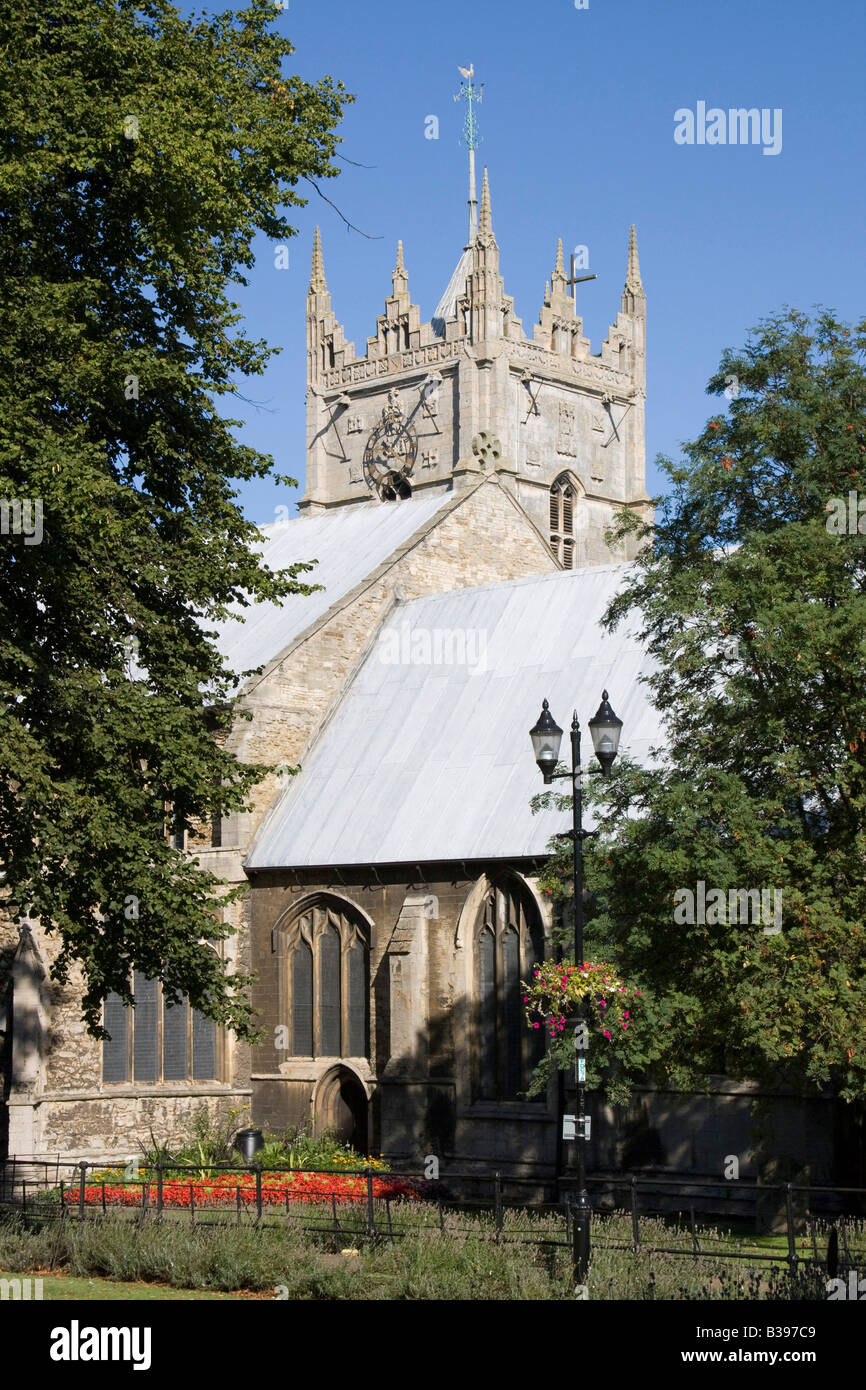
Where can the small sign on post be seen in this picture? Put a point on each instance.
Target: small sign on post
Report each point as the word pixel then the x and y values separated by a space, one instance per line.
pixel 581 1068
pixel 569 1126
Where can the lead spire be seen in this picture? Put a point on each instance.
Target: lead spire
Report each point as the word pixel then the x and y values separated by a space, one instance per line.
pixel 317 278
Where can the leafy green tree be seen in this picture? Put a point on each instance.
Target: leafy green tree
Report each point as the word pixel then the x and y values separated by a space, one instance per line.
pixel 751 601
pixel 142 152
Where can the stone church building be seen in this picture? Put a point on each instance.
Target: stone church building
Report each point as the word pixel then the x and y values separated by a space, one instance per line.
pixel 460 474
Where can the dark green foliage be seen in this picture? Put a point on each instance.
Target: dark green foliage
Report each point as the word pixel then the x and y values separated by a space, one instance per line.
pixel 753 606
pixel 142 153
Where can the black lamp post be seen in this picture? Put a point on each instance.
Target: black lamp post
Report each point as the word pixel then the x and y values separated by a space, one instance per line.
pixel 546 736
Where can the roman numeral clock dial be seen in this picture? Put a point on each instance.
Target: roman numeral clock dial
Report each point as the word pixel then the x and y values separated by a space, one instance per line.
pixel 389 456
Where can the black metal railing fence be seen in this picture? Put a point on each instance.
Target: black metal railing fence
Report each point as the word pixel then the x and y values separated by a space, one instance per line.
pixel 364 1208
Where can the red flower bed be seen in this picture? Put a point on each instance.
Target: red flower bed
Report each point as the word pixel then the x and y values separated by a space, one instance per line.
pixel 223 1191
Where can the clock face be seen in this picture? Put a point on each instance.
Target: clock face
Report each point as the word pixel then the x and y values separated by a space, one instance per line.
pixel 390 453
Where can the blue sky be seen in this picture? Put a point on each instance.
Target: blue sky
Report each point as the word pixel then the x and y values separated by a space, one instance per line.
pixel 578 135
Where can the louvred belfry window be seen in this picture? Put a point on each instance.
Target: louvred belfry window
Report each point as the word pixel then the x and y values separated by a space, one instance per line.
pixel 563 497
pixel 325 980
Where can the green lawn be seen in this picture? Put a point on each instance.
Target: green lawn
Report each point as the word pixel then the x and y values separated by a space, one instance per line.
pixel 60 1288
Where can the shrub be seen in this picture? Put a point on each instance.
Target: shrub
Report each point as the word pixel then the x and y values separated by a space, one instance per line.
pixel 459 1259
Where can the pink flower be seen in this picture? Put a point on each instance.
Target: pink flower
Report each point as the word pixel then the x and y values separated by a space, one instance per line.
pixel 625 1015
pixel 602 1003
pixel 536 1025
pixel 638 991
pixel 606 1033
pixel 526 998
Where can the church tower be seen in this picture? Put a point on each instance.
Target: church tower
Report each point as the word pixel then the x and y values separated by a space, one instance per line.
pixel 432 406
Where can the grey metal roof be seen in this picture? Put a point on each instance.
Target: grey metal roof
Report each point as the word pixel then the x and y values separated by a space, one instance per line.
pixel 447 306
pixel 431 760
pixel 348 543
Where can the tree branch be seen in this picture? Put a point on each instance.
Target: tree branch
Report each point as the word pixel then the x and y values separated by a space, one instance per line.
pixel 349 224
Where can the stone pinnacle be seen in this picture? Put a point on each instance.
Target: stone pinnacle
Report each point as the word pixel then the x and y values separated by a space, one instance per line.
pixel 317 278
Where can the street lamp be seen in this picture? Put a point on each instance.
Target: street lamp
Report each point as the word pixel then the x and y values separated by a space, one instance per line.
pixel 546 736
pixel 605 729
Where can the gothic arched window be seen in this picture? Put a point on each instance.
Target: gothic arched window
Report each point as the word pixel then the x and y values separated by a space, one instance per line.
pixel 509 942
pixel 325 980
pixel 563 499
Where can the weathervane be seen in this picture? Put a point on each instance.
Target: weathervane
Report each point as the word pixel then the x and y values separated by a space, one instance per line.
pixel 471 94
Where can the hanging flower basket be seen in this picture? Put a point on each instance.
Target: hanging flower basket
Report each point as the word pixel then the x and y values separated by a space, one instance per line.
pixel 560 992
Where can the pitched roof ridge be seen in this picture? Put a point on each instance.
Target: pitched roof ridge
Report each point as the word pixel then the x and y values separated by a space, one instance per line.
pixel 524 580
pixel 419 534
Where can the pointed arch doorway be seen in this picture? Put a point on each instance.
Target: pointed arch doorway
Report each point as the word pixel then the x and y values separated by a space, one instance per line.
pixel 342 1106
